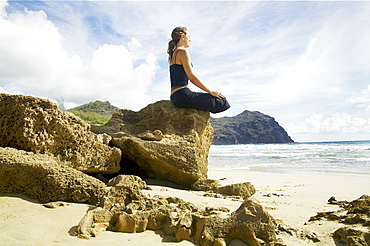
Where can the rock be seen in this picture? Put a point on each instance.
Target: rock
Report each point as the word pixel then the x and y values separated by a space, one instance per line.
pixel 287 229
pixel 352 237
pixel 184 228
pixel 357 213
pixel 244 190
pixel 354 212
pixel 183 233
pixel 333 200
pixel 118 198
pixel 279 242
pixel 159 217
pixel 251 223
pixel 179 154
pixel 252 215
pixel 248 128
pixel 128 181
pixel 56 204
pixel 299 233
pixel 104 138
pixel 311 235
pixel 92 223
pixel 37 125
pixel 219 242
pixel 85 228
pixel 46 178
pixel 125 195
pixel 132 223
pixel 206 185
pixel 201 222
pixel 215 210
pixel 156 135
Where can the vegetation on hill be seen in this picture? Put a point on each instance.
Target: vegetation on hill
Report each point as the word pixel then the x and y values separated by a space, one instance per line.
pixel 97 112
pixel 91 117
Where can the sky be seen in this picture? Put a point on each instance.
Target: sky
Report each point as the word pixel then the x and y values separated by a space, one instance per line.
pixel 305 63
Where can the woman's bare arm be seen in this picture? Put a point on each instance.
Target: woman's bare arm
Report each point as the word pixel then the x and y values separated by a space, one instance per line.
pixel 185 60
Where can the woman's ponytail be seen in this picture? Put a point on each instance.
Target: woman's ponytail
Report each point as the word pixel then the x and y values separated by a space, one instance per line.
pixel 171 48
pixel 175 35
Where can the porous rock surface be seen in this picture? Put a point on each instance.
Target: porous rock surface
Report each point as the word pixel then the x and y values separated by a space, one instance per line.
pixel 126 209
pixel 350 236
pixel 162 141
pixel 37 125
pixel 46 178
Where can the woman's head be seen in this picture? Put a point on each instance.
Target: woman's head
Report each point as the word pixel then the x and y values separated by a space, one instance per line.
pixel 176 36
pixel 177 33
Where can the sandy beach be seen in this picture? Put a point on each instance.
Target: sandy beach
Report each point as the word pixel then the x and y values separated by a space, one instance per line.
pixel 289 197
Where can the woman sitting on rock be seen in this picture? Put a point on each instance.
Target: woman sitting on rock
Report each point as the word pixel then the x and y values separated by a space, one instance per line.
pixel 181 72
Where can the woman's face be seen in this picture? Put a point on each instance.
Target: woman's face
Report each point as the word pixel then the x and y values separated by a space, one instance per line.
pixel 187 40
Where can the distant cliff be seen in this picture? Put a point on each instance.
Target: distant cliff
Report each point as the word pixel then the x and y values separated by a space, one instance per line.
pixel 248 128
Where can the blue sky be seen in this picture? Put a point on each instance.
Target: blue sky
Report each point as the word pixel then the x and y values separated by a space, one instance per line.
pixel 305 63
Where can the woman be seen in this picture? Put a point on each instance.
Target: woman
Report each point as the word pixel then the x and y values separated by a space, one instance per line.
pixel 181 72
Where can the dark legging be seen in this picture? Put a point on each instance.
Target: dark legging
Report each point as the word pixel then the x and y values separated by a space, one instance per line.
pixel 185 98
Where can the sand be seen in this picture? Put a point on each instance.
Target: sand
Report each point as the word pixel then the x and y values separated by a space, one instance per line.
pixel 289 197
pixel 295 198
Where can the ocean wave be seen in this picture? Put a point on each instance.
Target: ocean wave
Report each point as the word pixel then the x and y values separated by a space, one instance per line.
pixel 331 157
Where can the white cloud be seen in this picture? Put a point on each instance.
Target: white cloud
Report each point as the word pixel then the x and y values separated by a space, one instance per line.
pixel 30 48
pixel 362 98
pixel 3 5
pixel 134 44
pixel 35 62
pixel 338 123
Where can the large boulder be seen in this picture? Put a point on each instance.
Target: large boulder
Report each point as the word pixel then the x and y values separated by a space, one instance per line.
pixel 46 178
pixel 162 141
pixel 37 125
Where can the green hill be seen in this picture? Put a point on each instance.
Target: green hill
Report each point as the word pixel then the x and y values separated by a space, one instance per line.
pixel 97 112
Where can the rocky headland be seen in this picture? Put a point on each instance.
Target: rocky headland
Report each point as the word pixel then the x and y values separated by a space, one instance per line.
pixel 249 127
pixel 55 157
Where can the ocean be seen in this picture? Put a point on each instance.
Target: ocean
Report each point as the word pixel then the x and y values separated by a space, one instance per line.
pixel 334 158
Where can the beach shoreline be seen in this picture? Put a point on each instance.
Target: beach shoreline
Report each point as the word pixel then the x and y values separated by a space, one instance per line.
pixel 290 198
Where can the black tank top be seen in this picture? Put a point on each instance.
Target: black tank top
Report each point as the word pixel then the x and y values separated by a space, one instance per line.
pixel 178 75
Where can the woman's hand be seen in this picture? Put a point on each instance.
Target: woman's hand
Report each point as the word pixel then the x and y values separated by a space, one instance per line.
pixel 217 94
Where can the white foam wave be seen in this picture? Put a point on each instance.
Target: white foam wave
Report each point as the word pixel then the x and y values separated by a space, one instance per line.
pixel 330 157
